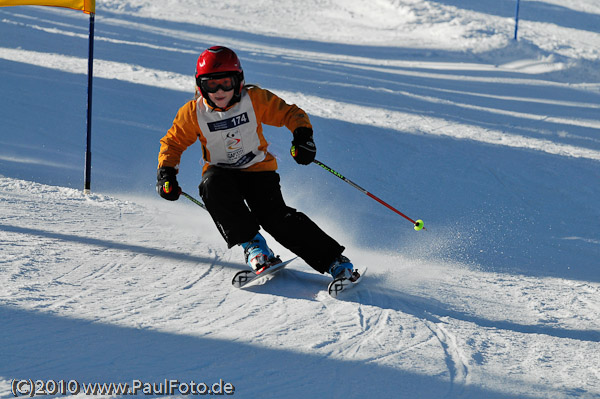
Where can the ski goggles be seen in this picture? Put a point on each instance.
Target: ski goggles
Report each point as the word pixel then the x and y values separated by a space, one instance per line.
pixel 213 85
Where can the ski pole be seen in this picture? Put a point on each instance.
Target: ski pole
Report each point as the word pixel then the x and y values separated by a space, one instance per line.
pixel 417 223
pixel 167 189
pixel 194 200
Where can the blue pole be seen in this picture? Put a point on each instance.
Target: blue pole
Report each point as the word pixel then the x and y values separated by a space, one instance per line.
pixel 88 148
pixel 517 19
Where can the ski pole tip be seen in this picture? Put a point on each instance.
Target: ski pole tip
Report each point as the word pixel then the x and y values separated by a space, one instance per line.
pixel 419 225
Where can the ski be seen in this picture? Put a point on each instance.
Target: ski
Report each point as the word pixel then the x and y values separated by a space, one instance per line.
pixel 245 277
pixel 339 285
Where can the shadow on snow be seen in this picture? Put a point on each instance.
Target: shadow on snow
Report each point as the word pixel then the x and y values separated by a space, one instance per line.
pixel 55 347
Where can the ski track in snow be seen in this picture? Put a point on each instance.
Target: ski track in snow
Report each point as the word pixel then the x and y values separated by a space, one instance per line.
pixel 56 262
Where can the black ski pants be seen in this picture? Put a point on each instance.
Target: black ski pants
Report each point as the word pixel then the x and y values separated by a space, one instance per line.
pixel 241 202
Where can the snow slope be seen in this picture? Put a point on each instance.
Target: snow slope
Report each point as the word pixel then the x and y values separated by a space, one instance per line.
pixel 430 105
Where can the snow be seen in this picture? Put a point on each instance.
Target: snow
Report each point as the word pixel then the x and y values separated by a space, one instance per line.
pixel 430 105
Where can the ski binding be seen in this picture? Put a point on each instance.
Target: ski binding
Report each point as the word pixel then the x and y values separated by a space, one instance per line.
pixel 339 285
pixel 246 277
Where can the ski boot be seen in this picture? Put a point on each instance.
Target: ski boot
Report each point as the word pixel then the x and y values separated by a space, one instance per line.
pixel 344 276
pixel 258 255
pixel 342 268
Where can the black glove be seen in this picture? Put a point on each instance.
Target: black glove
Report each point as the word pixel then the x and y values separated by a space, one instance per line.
pixel 166 185
pixel 303 147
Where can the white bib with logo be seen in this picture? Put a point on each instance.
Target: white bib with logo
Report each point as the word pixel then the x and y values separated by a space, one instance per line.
pixel 231 136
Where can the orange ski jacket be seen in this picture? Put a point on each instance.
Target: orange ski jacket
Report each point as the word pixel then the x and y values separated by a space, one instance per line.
pixel 231 138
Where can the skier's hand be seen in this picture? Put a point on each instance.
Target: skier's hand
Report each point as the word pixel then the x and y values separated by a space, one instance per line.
pixel 303 147
pixel 166 185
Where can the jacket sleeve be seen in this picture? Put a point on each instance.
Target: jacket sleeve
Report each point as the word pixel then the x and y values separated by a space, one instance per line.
pixel 272 110
pixel 184 132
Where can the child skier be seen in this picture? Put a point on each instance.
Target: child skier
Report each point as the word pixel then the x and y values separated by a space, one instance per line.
pixel 240 185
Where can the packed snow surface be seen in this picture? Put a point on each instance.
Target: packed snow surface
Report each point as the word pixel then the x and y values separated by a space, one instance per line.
pixel 430 105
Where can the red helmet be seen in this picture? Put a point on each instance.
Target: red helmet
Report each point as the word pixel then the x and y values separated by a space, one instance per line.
pixel 219 62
